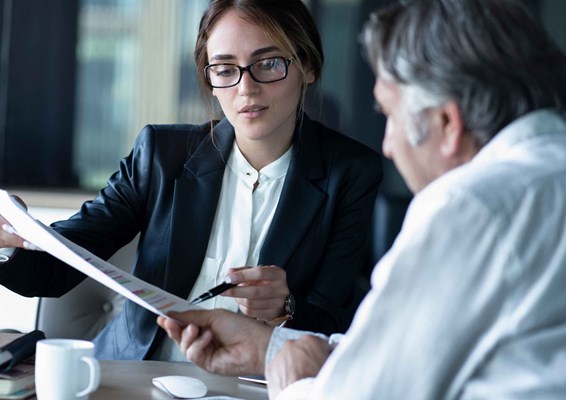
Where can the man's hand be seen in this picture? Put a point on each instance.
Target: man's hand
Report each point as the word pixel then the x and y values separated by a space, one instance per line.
pixel 261 291
pixel 298 359
pixel 220 341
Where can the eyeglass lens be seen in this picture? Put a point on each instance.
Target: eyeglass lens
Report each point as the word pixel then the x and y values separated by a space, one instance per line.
pixel 264 71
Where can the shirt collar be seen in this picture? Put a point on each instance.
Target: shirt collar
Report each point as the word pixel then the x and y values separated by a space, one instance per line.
pixel 534 124
pixel 242 168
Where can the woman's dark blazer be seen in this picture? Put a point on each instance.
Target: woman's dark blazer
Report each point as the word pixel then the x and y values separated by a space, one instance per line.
pixel 168 189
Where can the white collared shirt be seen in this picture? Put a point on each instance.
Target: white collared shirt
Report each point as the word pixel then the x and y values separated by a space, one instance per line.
pixel 242 220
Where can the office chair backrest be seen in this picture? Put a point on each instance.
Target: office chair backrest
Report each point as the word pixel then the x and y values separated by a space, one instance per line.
pixel 85 310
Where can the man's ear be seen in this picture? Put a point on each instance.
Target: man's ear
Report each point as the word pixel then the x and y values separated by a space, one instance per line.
pixel 453 129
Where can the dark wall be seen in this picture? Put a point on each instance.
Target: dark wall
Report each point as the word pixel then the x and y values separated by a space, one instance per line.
pixel 39 95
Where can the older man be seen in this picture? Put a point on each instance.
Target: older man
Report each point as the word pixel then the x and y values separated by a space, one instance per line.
pixel 469 303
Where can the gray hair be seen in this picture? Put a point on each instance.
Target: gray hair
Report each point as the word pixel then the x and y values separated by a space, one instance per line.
pixel 489 56
pixel 416 101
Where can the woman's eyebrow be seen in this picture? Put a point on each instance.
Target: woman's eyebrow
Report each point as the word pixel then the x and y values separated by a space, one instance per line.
pixel 264 50
pixel 255 53
pixel 222 57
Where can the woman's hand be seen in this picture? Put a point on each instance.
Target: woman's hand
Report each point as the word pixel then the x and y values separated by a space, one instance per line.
pixel 8 236
pixel 261 291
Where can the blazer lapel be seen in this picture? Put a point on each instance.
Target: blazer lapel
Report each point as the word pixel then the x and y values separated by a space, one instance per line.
pixel 300 199
pixel 194 206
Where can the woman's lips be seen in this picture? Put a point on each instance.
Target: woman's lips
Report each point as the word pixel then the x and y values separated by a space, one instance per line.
pixel 252 111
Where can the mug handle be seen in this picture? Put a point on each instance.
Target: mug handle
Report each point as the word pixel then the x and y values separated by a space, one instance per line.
pixel 93 376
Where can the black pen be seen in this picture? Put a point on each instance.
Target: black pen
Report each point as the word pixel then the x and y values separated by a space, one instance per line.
pixel 215 291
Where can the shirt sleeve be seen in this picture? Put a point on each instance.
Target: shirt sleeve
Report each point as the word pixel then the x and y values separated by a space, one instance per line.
pixel 432 300
pixel 299 390
pixel 280 335
pixel 6 253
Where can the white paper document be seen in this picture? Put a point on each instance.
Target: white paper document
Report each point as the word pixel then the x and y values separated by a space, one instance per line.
pixel 148 296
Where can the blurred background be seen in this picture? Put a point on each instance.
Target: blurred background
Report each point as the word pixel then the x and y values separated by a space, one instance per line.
pixel 80 78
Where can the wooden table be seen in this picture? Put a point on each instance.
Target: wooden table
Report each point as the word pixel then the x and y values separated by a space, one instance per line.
pixel 124 380
pixel 127 380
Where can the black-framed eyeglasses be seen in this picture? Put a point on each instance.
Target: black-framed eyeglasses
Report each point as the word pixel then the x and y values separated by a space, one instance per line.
pixel 266 70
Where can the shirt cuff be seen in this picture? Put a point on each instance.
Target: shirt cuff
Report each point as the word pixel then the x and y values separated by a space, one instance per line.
pixel 298 390
pixel 280 335
pixel 6 253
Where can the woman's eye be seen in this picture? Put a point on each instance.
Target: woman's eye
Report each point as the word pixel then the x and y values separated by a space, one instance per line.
pixel 225 72
pixel 268 64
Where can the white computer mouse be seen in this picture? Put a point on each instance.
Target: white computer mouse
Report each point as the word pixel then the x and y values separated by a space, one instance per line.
pixel 181 387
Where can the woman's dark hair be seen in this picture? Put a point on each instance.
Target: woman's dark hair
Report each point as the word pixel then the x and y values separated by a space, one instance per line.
pixel 490 56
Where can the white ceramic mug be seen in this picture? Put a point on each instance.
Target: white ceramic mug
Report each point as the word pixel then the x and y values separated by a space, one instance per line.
pixel 65 369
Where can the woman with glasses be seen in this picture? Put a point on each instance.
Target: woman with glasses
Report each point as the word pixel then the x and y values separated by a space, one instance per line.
pixel 264 198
